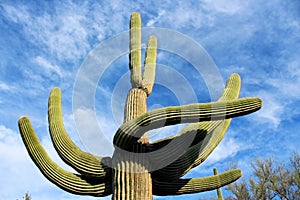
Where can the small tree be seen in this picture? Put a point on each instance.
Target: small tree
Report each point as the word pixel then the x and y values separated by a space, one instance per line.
pixel 270 181
pixel 27 196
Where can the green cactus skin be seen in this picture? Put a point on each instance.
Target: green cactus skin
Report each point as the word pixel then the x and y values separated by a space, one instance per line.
pixel 135 175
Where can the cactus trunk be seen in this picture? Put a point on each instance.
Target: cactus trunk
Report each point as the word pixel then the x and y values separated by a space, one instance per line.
pixel 131 178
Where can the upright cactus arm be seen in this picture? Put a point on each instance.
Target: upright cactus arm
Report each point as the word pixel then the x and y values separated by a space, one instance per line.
pixel 143 80
pixel 73 183
pixel 135 50
pixel 211 133
pixel 85 163
pixel 195 185
pixel 150 65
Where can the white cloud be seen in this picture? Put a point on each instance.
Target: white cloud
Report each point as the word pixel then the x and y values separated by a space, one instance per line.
pixel 227 7
pixel 227 148
pixel 5 87
pixel 93 135
pixel 48 67
pixel 271 111
pixel 151 22
pixel 64 34
pixel 18 173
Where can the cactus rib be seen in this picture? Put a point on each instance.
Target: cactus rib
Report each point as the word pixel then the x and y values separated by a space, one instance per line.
pixel 82 162
pixel 73 183
pixel 195 185
pixel 209 133
pixel 131 131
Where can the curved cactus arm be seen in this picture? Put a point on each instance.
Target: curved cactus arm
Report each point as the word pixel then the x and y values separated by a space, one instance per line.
pixel 191 157
pixel 132 130
pixel 135 50
pixel 206 136
pixel 73 183
pixel 150 65
pixel 82 162
pixel 195 185
pixel 231 91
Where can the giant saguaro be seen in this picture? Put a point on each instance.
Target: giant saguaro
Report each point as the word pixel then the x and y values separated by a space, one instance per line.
pixel 132 172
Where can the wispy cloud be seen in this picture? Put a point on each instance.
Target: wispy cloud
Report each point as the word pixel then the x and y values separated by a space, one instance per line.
pixel 47 66
pixel 16 163
pixel 225 7
pixel 95 137
pixel 151 22
pixel 272 110
pixel 227 148
pixel 6 87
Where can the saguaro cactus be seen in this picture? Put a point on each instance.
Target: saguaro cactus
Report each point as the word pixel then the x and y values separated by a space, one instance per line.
pixel 134 171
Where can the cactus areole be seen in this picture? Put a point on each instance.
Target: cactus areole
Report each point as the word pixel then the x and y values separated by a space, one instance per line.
pixel 131 173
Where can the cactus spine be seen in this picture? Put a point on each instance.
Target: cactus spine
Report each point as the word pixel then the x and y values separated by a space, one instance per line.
pixel 135 175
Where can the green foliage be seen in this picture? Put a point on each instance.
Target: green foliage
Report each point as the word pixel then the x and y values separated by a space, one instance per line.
pixel 27 196
pixel 269 181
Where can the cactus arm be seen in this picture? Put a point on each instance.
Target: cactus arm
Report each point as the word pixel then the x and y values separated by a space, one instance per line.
pixel 131 131
pixel 195 185
pixel 150 65
pixel 231 91
pixel 209 135
pixel 82 162
pixel 193 144
pixel 73 183
pixel 135 50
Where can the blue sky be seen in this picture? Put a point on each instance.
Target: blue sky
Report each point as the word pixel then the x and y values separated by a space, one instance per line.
pixel 43 45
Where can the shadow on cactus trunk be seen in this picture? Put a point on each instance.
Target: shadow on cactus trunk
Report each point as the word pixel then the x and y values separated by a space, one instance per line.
pixel 139 169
